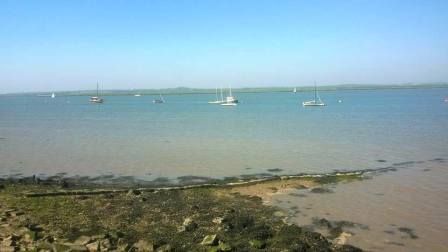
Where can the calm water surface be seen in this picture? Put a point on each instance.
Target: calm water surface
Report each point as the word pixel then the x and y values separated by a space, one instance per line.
pixel 186 136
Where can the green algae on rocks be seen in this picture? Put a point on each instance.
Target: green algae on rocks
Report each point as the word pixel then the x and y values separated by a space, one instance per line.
pixel 194 219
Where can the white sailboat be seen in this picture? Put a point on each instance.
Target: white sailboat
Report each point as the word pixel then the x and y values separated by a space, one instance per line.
pixel 53 95
pixel 97 98
pixel 230 100
pixel 217 101
pixel 294 90
pixel 159 100
pixel 317 101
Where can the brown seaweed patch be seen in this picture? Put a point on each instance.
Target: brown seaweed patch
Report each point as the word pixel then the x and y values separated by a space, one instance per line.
pixel 193 179
pixel 438 160
pixel 275 170
pixel 255 176
pixel 381 161
pixel 335 228
pixel 102 177
pixel 160 180
pixel 395 243
pixel 407 163
pixel 300 195
pixel 321 190
pixel 410 232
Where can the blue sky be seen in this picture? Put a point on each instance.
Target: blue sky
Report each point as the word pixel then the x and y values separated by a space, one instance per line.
pixel 69 45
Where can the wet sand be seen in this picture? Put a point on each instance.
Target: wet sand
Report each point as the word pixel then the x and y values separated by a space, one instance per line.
pixel 405 210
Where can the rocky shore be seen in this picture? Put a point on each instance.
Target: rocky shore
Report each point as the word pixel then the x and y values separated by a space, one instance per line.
pixel 49 216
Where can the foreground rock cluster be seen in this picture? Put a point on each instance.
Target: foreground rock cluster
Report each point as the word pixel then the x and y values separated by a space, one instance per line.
pixel 198 219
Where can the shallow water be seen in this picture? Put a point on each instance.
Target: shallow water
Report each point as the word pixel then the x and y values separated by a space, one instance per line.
pixel 415 196
pixel 130 136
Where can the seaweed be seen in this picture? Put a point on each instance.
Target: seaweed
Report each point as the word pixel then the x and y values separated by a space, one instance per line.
pixel 410 232
pixel 155 217
pixel 321 190
pixel 275 170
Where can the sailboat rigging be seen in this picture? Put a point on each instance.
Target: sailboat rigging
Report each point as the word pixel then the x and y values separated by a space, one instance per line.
pixel 97 98
pixel 217 101
pixel 317 101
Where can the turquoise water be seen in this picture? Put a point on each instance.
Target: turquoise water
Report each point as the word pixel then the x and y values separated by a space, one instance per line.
pixel 130 136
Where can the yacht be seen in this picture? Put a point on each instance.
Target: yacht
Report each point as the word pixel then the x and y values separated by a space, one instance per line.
pixel 317 101
pixel 97 98
pixel 158 100
pixel 217 101
pixel 53 95
pixel 230 100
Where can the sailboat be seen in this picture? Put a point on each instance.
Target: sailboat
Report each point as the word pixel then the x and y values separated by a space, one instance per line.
pixel 294 90
pixel 217 101
pixel 53 95
pixel 230 100
pixel 316 102
pixel 97 98
pixel 159 100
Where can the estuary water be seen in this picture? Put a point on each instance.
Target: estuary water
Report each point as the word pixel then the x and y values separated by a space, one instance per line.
pixel 131 136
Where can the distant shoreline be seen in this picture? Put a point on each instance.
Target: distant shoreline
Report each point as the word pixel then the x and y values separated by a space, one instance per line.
pixel 188 91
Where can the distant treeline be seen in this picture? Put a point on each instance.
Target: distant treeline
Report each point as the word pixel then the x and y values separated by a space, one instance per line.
pixel 186 90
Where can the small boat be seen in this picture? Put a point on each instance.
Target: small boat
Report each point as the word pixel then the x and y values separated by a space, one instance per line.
pixel 158 100
pixel 230 100
pixel 316 102
pixel 137 95
pixel 228 104
pixel 446 99
pixel 217 101
pixel 53 95
pixel 294 90
pixel 97 98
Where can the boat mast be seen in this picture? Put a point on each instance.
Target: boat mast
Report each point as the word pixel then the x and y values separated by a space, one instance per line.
pixel 216 93
pixel 315 91
pixel 97 89
pixel 222 97
pixel 230 90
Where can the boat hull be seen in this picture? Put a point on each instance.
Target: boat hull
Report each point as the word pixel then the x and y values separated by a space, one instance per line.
pixel 228 104
pixel 96 100
pixel 216 102
pixel 313 104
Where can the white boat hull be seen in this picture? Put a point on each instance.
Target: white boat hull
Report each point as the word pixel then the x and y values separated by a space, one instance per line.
pixel 216 102
pixel 96 100
pixel 313 104
pixel 228 104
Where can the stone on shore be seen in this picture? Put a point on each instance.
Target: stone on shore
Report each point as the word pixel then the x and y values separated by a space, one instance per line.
pixel 188 225
pixel 82 240
pixel 7 248
pixel 209 240
pixel 143 246
pixel 94 246
pixel 164 248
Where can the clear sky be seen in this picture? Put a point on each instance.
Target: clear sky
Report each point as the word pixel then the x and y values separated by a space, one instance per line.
pixel 69 45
